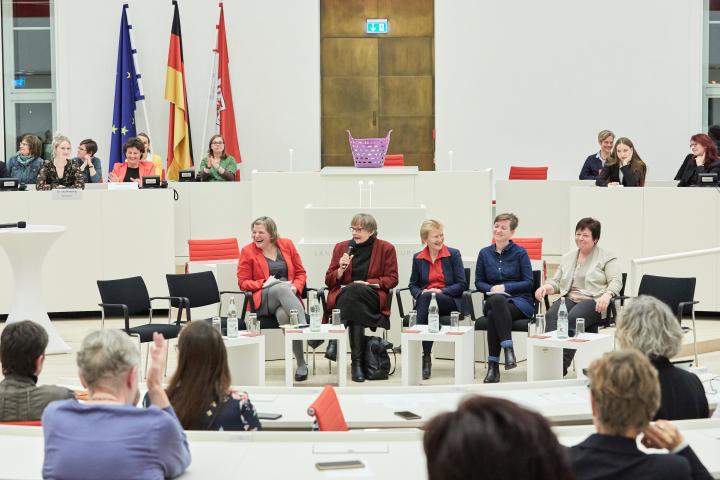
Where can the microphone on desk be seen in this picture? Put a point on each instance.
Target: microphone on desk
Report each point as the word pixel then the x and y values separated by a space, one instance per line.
pixel 13 225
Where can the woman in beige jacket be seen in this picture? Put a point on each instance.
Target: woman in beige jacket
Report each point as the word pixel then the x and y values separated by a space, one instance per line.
pixel 588 277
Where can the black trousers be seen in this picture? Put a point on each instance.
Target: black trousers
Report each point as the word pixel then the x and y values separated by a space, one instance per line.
pixel 584 309
pixel 446 304
pixel 500 314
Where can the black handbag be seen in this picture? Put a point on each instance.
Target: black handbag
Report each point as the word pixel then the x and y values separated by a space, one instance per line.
pixel 377 361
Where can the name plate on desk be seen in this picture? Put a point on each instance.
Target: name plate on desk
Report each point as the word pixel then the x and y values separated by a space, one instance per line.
pixel 67 194
pixel 122 186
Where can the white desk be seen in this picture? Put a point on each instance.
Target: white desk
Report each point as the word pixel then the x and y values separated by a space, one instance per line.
pixel 545 355
pixel 246 358
pixel 464 339
pixel 702 435
pixel 327 332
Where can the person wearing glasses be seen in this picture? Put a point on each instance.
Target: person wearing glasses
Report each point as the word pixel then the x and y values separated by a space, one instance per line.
pixel 26 163
pixel 361 273
pixel 88 163
pixel 218 166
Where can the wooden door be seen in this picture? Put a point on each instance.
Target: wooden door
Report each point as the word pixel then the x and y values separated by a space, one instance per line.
pixel 371 84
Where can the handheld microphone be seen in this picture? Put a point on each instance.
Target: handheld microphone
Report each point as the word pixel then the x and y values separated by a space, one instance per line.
pixel 350 250
pixel 13 225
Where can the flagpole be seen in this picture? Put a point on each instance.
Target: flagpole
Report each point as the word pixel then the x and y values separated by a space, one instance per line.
pixel 212 97
pixel 139 80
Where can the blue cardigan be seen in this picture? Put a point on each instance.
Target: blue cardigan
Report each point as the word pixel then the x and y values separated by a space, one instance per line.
pixel 453 271
pixel 591 168
pixel 511 268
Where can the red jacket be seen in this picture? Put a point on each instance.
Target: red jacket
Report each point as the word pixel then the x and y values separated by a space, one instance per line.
pixel 147 169
pixel 253 269
pixel 382 270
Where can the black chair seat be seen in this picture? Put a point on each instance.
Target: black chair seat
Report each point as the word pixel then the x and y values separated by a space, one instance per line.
pixel 146 331
pixel 521 325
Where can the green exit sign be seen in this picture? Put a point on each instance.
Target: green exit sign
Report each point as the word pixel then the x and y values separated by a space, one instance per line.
pixel 376 25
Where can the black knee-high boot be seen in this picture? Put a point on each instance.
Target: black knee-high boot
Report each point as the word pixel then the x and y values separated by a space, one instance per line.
pixel 357 342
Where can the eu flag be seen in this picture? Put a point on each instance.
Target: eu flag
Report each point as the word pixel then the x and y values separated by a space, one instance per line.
pixel 127 92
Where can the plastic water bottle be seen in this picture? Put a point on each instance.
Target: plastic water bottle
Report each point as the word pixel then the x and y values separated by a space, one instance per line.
pixel 433 316
pixel 232 319
pixel 562 321
pixel 315 313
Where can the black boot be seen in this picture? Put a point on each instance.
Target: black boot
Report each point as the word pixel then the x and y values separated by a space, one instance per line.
pixel 510 361
pixel 357 337
pixel 426 365
pixel 493 373
pixel 331 350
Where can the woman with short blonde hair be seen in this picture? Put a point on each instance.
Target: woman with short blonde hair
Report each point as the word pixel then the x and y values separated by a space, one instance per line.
pixel 594 162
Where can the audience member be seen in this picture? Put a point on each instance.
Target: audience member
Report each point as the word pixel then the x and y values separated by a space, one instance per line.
pixel 133 169
pixel 89 164
pixel 504 274
pixel 436 269
pixel 218 166
pixel 648 325
pixel 199 390
pixel 702 159
pixel 61 171
pixel 22 354
pixel 595 161
pixel 149 156
pixel 108 436
pixel 3 170
pixel 624 167
pixel 625 394
pixel 270 267
pixel 493 438
pixel 361 273
pixel 26 163
pixel 587 278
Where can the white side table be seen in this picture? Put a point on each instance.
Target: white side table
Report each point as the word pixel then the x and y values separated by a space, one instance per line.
pixel 246 358
pixel 544 355
pixel 327 332
pixel 26 249
pixel 464 339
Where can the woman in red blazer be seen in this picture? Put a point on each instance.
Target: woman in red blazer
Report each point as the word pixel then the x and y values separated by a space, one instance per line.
pixel 270 268
pixel 360 275
pixel 133 169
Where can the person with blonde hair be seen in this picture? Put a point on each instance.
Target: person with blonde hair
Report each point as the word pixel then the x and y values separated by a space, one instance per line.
pixel 594 162
pixel 648 325
pixel 624 395
pixel 61 171
pixel 436 269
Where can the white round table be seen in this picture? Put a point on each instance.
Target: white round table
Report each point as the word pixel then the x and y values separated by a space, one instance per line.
pixel 26 249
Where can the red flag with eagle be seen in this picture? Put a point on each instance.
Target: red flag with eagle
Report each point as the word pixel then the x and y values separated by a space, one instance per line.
pixel 223 96
pixel 179 143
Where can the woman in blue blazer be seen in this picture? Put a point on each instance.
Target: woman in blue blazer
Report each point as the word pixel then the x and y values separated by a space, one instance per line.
pixel 504 274
pixel 436 269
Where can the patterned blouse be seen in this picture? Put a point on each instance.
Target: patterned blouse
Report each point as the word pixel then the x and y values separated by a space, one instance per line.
pixel 47 178
pixel 235 413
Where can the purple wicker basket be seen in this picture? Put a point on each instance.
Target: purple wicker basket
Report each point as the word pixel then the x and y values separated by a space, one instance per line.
pixel 369 152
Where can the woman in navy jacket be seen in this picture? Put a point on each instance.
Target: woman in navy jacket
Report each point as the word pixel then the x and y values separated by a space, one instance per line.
pixel 503 272
pixel 436 269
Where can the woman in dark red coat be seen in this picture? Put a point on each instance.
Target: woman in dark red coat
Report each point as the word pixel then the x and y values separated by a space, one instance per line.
pixel 360 275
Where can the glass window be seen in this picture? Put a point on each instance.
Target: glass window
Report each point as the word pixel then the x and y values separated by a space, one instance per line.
pixel 33 66
pixel 31 13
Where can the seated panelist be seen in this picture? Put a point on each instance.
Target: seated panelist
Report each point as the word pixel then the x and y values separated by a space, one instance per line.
pixel 436 269
pixel 149 156
pixel 61 171
pixel 595 161
pixel 133 169
pixel 89 164
pixel 218 166
pixel 270 267
pixel 624 167
pixel 26 163
pixel 702 159
pixel 588 278
pixel 360 275
pixel 504 274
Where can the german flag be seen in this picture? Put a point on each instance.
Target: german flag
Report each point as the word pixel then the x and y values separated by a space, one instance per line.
pixel 179 142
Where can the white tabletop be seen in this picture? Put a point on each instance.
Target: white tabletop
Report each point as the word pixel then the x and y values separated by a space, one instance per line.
pixel 446 333
pixel 33 229
pixel 570 342
pixel 410 170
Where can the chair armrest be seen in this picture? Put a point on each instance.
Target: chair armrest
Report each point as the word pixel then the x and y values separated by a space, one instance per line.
pixel 389 299
pixel 181 302
pixel 468 295
pixel 467 305
pixel 249 298
pixel 170 300
pixel 321 296
pixel 124 307
pixel 399 301
pixel 237 292
pixel 682 305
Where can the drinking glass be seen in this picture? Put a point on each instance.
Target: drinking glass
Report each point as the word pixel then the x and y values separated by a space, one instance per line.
pixel 336 320
pixel 540 323
pixel 294 318
pixel 412 319
pixel 455 320
pixel 217 324
pixel 579 327
pixel 251 322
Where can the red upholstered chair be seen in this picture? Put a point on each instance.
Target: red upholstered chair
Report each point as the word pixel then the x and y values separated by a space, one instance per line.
pixel 528 173
pixel 215 249
pixel 28 423
pixel 396 160
pixel 327 412
pixel 532 245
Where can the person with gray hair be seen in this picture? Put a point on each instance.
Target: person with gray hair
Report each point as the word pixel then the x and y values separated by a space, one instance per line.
pixel 648 325
pixel 108 428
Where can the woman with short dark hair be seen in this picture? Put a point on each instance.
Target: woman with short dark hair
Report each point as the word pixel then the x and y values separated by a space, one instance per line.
pixel 26 163
pixel 133 169
pixel 89 164
pixel 493 438
pixel 587 278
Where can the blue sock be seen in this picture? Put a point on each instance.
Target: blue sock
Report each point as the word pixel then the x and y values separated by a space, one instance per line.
pixel 493 359
pixel 506 344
